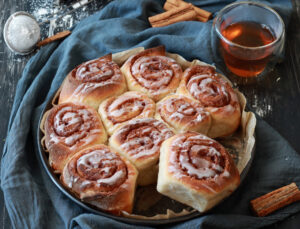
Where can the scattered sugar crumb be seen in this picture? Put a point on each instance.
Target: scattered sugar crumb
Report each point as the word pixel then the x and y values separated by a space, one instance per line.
pixel 261 108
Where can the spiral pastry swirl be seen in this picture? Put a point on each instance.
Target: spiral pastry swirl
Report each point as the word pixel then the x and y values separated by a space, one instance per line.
pixel 70 127
pixel 102 178
pixel 139 140
pixel 216 95
pixel 193 163
pixel 116 111
pixel 152 73
pixel 183 114
pixel 96 71
pixel 203 85
pixel 92 82
pixel 199 157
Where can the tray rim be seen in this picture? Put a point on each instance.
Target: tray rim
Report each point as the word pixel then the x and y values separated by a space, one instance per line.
pixel 42 158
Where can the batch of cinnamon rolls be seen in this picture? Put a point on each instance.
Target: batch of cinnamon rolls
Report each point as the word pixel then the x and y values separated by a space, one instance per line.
pixel 146 122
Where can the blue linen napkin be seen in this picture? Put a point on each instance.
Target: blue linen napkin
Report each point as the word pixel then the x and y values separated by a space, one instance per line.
pixel 33 201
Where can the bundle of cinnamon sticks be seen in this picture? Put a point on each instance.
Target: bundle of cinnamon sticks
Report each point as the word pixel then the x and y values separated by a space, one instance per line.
pixel 177 11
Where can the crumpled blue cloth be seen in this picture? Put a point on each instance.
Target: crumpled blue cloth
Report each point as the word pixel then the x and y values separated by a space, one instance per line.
pixel 33 201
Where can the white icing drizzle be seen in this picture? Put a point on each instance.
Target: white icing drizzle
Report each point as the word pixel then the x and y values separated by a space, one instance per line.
pixel 203 172
pixel 92 159
pixel 204 90
pixel 190 160
pixel 229 109
pixel 176 116
pixel 153 133
pixel 113 179
pixel 95 70
pixel 86 88
pixel 73 138
pixel 154 72
pixel 211 151
pixel 200 137
pixel 146 146
pixel 185 109
pixel 106 163
pixel 53 138
pixel 122 106
pixel 73 125
pixel 203 87
pixel 215 109
pixel 96 74
pixel 226 174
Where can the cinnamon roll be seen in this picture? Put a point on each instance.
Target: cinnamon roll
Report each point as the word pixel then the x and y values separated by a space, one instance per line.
pixel 118 110
pixel 216 95
pixel 196 170
pixel 183 114
pixel 69 128
pixel 92 82
pixel 152 73
pixel 102 178
pixel 139 140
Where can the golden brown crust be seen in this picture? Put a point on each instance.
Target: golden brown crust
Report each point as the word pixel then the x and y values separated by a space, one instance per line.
pixel 214 155
pixel 69 128
pixel 148 168
pixel 200 168
pixel 93 81
pixel 139 140
pixel 118 110
pixel 152 73
pixel 203 84
pixel 101 177
pixel 182 114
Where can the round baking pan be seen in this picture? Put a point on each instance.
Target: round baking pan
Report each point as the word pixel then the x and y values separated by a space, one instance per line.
pixel 43 158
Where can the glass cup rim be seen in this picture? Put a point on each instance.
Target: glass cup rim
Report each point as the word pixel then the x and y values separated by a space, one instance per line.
pixel 221 12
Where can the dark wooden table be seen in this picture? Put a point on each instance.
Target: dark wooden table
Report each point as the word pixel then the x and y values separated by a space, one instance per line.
pixel 276 99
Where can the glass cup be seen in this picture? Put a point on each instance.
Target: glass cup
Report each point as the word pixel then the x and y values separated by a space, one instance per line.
pixel 247 39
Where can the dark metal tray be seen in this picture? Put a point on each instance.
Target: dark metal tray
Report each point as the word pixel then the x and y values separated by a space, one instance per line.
pixel 43 158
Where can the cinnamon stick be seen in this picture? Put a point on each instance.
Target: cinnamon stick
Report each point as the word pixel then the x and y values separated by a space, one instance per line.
pixel 55 37
pixel 182 13
pixel 202 15
pixel 276 199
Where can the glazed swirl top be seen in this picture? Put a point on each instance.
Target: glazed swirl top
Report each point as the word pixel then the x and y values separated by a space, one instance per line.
pixel 128 106
pixel 96 73
pixel 181 110
pixel 155 72
pixel 72 125
pixel 200 161
pixel 97 168
pixel 95 70
pixel 142 138
pixel 206 87
pixel 197 156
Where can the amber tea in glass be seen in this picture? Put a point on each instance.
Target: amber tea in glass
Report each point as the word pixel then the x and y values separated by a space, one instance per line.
pixel 249 36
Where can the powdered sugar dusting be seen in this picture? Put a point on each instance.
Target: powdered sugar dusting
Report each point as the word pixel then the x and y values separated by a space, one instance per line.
pixel 262 111
pixel 64 15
